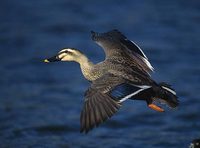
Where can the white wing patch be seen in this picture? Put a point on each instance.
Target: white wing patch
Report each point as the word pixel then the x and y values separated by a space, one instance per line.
pixel 148 63
pixel 140 50
pixel 144 57
pixel 143 87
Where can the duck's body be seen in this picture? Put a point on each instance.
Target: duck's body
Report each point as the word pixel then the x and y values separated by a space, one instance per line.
pixel 124 74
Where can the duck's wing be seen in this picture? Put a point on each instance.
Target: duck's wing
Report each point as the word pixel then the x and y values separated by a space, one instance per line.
pixel 99 105
pixel 115 43
pixel 104 98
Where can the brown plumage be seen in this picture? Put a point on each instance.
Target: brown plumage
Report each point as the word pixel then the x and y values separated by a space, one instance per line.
pixel 124 74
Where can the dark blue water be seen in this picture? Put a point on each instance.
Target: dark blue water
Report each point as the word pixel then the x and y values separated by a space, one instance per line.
pixel 40 103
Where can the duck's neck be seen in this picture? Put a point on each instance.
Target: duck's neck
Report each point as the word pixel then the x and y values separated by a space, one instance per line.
pixel 86 67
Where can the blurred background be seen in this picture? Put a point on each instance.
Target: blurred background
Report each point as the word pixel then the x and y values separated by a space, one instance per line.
pixel 40 103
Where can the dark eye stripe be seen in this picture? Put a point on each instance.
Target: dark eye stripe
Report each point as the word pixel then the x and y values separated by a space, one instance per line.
pixel 62 52
pixel 66 51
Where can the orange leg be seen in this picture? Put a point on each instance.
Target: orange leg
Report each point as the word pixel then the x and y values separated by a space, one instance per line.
pixel 155 107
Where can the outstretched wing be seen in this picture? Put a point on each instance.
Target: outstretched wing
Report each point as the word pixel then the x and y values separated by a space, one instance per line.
pixel 104 98
pixel 99 104
pixel 137 54
pixel 115 43
pixel 98 107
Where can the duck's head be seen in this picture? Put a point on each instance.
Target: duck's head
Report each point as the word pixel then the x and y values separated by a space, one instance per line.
pixel 67 54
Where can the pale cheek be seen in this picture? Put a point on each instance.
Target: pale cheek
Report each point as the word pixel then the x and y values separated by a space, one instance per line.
pixel 62 55
pixel 66 58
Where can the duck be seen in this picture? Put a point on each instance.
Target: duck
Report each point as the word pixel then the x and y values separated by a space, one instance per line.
pixel 124 74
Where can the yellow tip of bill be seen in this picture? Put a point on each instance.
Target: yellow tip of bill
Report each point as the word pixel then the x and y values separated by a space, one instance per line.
pixel 46 61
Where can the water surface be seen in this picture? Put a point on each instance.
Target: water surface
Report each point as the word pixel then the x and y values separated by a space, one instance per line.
pixel 40 103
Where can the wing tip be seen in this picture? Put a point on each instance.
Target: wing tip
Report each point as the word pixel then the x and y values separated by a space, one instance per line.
pixel 103 108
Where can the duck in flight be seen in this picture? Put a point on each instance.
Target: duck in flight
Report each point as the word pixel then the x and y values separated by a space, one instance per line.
pixel 124 74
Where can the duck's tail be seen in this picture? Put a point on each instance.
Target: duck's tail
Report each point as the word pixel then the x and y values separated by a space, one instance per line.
pixel 167 95
pixel 161 93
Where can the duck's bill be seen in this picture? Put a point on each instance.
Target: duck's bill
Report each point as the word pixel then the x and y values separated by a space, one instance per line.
pixel 52 59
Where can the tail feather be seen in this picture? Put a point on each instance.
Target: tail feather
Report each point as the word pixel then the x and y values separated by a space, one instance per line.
pixel 168 94
pixel 167 87
pixel 161 93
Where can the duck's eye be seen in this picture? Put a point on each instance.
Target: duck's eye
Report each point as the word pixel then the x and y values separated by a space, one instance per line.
pixel 68 52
